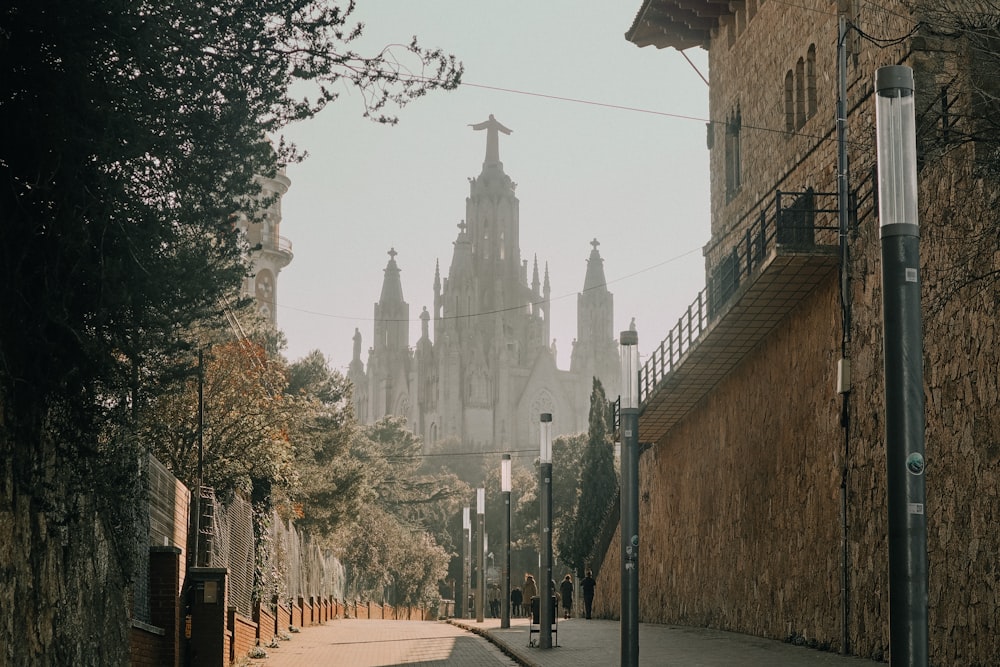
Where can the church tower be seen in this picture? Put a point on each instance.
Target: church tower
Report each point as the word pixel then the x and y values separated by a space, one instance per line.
pixel 490 369
pixel 389 358
pixel 270 252
pixel 595 350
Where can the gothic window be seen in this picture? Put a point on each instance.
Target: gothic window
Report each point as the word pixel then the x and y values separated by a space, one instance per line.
pixel 789 101
pixel 800 98
pixel 733 158
pixel 811 81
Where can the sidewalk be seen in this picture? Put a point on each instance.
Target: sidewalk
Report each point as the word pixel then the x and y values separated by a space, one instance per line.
pixel 597 643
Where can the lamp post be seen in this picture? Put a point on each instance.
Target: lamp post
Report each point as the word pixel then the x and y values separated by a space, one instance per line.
pixel 466 564
pixel 895 127
pixel 505 561
pixel 480 549
pixel 545 610
pixel 630 498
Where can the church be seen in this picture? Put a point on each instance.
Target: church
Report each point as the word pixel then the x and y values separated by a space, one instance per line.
pixel 483 368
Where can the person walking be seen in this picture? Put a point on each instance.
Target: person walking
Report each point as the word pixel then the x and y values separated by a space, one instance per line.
pixel 588 584
pixel 566 593
pixel 495 600
pixel 516 597
pixel 530 591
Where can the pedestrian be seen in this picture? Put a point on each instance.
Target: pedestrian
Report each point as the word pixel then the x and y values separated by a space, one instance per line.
pixel 495 600
pixel 588 584
pixel 566 591
pixel 530 591
pixel 515 601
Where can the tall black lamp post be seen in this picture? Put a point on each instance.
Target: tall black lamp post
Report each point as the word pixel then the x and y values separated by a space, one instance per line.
pixel 630 498
pixel 895 127
pixel 545 610
pixel 505 562
pixel 466 563
pixel 480 551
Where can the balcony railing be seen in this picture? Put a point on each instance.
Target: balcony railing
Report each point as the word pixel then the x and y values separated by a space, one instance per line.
pixel 800 223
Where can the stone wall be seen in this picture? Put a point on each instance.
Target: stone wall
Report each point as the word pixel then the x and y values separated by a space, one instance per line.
pixel 740 519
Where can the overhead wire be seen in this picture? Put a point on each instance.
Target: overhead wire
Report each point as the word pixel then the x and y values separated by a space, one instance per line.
pixel 881 42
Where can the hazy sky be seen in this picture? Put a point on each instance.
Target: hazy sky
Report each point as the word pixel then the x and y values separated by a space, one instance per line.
pixel 614 159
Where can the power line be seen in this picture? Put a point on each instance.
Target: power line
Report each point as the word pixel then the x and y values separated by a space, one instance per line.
pixel 500 310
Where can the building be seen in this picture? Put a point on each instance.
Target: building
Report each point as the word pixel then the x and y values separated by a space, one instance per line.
pixel 483 368
pixel 763 487
pixel 270 252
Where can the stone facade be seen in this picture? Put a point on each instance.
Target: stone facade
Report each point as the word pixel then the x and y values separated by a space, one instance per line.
pixel 483 368
pixel 270 252
pixel 741 499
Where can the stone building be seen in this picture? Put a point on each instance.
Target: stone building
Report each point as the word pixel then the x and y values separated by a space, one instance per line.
pixel 483 367
pixel 270 252
pixel 763 488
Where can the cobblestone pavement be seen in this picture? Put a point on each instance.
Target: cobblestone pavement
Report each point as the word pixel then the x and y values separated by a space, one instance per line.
pixel 376 643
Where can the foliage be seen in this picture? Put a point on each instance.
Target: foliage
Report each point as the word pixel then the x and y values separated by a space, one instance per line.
pixel 389 560
pixel 598 485
pixel 394 547
pixel 469 467
pixel 130 136
pixel 247 420
pixel 567 461
pixel 333 484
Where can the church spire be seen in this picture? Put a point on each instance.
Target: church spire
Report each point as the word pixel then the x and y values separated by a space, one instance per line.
pixel 392 313
pixel 392 287
pixel 595 269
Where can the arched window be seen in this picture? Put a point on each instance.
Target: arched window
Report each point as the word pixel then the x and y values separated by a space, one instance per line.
pixel 733 158
pixel 811 81
pixel 800 94
pixel 789 102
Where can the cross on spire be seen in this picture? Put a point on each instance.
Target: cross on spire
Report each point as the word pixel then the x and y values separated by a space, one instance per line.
pixel 595 243
pixel 392 254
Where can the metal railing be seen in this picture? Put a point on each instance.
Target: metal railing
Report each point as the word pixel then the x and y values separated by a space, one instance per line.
pixel 797 220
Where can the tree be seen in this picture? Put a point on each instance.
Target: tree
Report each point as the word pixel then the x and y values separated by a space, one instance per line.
pixel 567 461
pixel 598 486
pixel 245 444
pixel 332 483
pixel 405 518
pixel 131 134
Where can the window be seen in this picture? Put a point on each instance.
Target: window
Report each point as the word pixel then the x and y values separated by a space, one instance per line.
pixel 811 81
pixel 733 126
pixel 789 102
pixel 800 97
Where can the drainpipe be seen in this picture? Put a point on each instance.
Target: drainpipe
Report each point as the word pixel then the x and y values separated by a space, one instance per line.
pixel 844 365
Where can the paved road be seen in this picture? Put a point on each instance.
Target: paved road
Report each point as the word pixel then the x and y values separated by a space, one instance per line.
pixel 597 643
pixel 582 643
pixel 375 643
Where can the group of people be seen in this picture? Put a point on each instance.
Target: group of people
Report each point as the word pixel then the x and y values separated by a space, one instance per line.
pixel 520 599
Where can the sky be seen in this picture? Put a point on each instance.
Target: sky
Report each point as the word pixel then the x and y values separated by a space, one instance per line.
pixel 607 143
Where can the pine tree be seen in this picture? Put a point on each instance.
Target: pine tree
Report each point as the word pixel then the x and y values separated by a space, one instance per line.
pixel 598 486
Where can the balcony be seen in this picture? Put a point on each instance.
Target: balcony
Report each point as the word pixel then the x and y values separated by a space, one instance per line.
pixel 768 265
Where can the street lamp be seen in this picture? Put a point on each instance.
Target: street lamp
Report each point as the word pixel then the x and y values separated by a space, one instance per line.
pixel 895 129
pixel 505 561
pixel 630 498
pixel 481 548
pixel 466 563
pixel 545 607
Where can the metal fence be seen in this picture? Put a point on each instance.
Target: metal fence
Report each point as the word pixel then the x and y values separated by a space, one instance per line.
pixel 796 220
